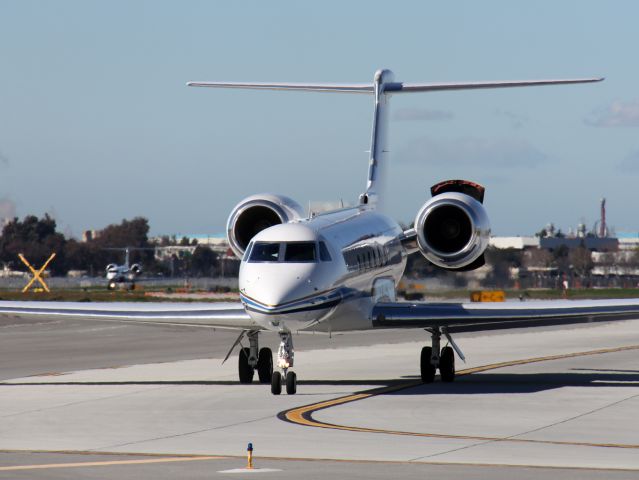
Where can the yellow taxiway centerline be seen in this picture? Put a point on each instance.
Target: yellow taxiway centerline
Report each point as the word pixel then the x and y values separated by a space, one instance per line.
pixel 107 464
pixel 304 415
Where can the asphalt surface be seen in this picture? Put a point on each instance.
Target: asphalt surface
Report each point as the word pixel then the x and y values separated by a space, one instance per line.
pixel 75 466
pixel 53 345
pixel 107 400
pixel 34 347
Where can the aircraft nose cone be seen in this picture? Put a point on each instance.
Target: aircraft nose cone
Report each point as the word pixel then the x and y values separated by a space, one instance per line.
pixel 276 285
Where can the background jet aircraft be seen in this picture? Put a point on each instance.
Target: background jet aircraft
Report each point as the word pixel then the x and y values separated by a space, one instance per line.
pixel 125 274
pixel 338 271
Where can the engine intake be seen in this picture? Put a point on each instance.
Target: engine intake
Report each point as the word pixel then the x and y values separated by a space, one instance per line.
pixel 257 213
pixel 453 231
pixel 136 269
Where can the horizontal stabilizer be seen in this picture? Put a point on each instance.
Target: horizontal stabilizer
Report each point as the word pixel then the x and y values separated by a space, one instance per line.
pixel 391 87
pixel 308 87
pixel 433 87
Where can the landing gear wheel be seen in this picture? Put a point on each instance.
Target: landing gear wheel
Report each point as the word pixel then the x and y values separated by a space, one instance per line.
pixel 276 383
pixel 426 367
pixel 265 365
pixel 244 369
pixel 291 383
pixel 111 286
pixel 447 364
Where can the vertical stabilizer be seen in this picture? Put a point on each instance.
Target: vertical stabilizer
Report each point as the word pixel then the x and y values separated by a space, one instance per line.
pixel 378 160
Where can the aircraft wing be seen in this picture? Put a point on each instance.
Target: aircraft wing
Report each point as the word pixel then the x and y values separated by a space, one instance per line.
pixel 213 314
pixel 465 317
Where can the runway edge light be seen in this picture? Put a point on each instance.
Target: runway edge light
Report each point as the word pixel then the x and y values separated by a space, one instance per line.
pixel 249 454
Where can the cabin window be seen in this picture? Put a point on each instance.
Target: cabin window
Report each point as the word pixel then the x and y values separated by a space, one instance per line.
pixel 323 251
pixel 265 252
pixel 300 252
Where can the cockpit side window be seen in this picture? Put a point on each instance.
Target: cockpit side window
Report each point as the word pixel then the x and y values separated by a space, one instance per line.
pixel 265 252
pixel 325 256
pixel 300 252
pixel 247 252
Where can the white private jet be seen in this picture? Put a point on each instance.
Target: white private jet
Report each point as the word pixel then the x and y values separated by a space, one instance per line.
pixel 124 274
pixel 338 271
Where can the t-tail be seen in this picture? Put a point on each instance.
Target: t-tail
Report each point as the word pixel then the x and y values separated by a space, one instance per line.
pixel 383 86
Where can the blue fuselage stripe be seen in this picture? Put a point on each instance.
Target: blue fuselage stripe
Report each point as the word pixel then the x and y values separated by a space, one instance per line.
pixel 321 301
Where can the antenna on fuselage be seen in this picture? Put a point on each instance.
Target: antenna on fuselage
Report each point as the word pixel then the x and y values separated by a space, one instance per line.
pixel 382 88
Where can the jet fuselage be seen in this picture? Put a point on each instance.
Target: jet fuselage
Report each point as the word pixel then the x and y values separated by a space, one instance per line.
pixel 322 273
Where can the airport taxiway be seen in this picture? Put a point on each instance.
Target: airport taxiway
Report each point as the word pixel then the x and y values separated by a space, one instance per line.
pixel 554 403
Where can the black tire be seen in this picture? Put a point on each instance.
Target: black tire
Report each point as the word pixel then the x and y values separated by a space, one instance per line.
pixel 111 286
pixel 447 365
pixel 427 369
pixel 291 383
pixel 265 365
pixel 244 369
pixel 276 383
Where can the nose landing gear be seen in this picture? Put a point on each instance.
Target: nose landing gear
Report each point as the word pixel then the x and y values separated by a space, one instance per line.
pixel 285 358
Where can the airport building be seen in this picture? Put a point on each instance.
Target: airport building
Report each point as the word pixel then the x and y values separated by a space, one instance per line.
pixel 606 261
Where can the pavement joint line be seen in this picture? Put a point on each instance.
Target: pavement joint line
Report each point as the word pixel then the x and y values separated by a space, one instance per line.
pixel 79 402
pixel 187 456
pixel 514 437
pixel 183 434
pixel 107 463
pixel 304 415
pixel 251 470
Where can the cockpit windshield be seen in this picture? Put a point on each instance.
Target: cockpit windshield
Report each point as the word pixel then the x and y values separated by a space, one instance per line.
pixel 289 252
pixel 301 252
pixel 265 252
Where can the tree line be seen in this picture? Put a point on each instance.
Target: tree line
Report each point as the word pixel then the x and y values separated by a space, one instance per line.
pixel 36 238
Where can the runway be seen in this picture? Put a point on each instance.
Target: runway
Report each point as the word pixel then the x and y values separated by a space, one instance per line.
pixel 544 403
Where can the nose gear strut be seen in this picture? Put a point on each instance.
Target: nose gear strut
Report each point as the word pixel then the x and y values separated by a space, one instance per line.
pixel 285 360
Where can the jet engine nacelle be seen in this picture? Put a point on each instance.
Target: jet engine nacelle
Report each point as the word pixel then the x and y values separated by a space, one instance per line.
pixel 257 213
pixel 111 266
pixel 136 269
pixel 452 227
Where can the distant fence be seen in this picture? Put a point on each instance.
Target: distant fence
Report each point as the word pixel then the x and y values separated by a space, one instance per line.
pixel 205 283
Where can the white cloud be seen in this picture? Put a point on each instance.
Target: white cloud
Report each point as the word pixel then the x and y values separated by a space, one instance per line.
pixel 422 115
pixel 617 114
pixel 502 152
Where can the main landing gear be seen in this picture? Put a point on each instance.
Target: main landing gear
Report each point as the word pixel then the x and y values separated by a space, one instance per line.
pixel 435 357
pixel 285 357
pixel 253 358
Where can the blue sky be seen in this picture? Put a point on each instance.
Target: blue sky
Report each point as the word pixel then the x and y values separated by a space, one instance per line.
pixel 96 123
